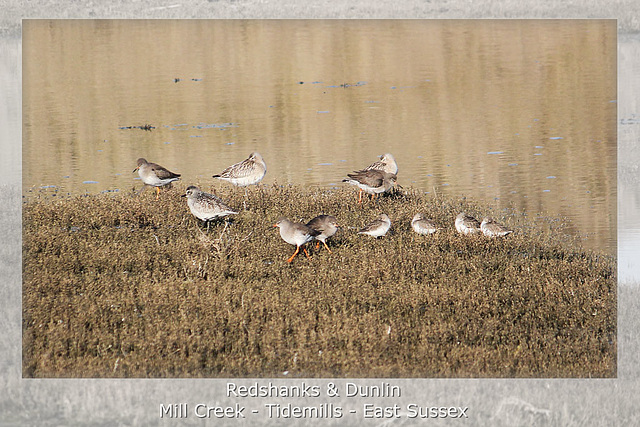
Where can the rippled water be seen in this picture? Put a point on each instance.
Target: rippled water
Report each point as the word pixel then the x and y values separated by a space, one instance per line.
pixel 519 114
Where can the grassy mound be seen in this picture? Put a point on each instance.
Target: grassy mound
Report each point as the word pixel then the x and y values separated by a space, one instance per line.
pixel 122 286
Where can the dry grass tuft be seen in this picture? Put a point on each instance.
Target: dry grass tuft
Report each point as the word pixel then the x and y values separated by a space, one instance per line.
pixel 121 286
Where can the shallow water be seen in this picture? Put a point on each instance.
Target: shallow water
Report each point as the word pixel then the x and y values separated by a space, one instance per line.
pixel 519 114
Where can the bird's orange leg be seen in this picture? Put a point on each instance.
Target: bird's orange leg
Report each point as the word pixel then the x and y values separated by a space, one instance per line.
pixel 360 197
pixel 294 254
pixel 325 245
pixel 157 192
pixel 317 244
pixel 305 251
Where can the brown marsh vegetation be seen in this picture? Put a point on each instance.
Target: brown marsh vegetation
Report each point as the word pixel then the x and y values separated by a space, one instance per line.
pixel 122 286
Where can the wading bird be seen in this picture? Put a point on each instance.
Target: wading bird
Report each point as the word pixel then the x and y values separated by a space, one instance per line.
pixel 155 175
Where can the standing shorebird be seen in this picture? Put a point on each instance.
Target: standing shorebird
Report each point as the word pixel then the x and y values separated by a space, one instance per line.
pixel 386 163
pixel 206 207
pixel 490 228
pixel 371 182
pixel 422 225
pixel 326 225
pixel 378 227
pixel 466 224
pixel 295 234
pixel 247 172
pixel 155 175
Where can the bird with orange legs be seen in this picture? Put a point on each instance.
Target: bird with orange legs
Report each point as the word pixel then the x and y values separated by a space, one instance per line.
pixel 371 182
pixel 295 234
pixel 326 225
pixel 363 179
pixel 155 175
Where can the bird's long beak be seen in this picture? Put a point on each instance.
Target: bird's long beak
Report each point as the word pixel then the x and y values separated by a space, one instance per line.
pixel 184 195
pixel 136 169
pixel 275 225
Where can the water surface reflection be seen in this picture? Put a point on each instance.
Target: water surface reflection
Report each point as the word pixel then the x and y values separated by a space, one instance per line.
pixel 519 114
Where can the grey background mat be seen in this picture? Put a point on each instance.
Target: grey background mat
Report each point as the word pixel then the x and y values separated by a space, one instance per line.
pixel 138 402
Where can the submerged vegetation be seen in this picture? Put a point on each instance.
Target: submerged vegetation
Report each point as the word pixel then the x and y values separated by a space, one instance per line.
pixel 127 286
